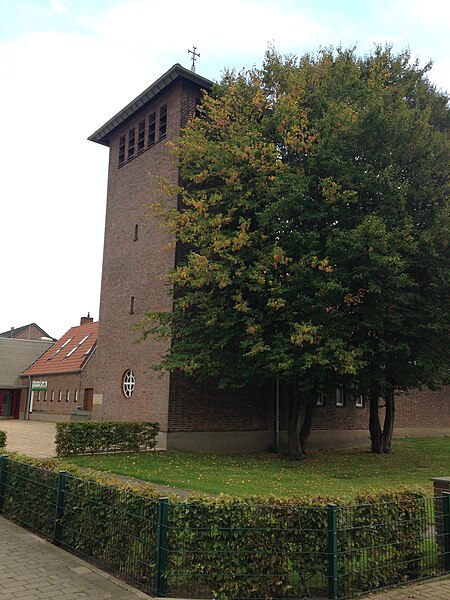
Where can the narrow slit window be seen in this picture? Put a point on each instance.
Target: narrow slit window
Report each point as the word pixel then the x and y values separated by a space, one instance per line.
pixel 141 136
pixel 52 399
pixel 121 150
pixel 162 121
pixel 340 396
pixel 75 396
pixel 67 395
pixel 136 232
pixel 359 402
pixel 45 395
pixel 151 129
pixel 131 136
pixel 60 396
pixel 132 305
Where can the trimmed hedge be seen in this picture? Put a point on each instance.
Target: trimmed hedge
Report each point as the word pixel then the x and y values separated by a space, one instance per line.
pixel 90 437
pixel 226 547
pixel 2 439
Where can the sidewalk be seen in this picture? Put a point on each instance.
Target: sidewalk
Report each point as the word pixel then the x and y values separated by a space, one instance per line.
pixel 33 569
pixel 433 589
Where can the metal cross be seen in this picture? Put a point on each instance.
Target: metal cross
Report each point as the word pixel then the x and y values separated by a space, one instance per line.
pixel 195 55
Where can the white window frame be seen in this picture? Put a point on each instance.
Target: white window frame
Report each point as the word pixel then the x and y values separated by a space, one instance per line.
pixel 128 383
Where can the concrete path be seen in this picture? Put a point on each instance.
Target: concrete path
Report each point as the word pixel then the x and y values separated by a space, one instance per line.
pixel 33 569
pixel 433 589
pixel 34 438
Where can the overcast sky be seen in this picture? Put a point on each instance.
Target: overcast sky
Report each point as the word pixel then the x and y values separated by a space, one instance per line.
pixel 67 66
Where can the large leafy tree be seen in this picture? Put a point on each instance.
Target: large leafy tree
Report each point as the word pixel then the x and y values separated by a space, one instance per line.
pixel 312 233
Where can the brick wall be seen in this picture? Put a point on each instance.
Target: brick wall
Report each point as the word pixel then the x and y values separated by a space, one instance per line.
pixel 56 401
pixel 137 268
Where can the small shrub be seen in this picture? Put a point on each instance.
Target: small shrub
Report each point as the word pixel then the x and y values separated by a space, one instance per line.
pixel 112 436
pixel 2 439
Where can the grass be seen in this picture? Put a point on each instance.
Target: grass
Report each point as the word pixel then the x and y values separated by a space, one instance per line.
pixel 343 473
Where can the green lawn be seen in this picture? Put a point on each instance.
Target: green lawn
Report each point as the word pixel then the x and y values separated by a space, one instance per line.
pixel 341 473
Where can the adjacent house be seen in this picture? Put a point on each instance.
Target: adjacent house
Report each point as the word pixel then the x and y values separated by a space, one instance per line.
pixel 16 354
pixel 62 379
pixel 32 331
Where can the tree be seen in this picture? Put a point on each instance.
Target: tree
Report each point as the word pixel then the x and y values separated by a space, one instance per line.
pixel 307 230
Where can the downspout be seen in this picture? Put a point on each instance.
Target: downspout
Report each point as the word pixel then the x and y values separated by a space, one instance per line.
pixel 26 414
pixel 276 432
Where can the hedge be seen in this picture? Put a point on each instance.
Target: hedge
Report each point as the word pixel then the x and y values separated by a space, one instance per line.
pixel 112 436
pixel 226 547
pixel 2 439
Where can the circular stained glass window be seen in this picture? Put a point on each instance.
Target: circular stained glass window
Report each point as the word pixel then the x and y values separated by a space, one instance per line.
pixel 128 383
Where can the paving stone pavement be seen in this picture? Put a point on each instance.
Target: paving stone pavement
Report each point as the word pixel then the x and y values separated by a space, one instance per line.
pixel 433 589
pixel 35 438
pixel 33 569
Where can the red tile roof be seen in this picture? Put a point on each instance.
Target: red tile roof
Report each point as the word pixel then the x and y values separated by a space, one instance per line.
pixel 70 352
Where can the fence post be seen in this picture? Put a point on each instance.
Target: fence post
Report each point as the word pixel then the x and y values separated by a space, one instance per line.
pixel 3 471
pixel 162 551
pixel 446 522
pixel 59 513
pixel 332 552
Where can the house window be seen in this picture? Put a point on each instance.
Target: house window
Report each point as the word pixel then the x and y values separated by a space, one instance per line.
pixel 67 395
pixel 359 401
pixel 131 136
pixel 141 136
pixel 121 150
pixel 151 129
pixel 60 396
pixel 321 399
pixel 162 121
pixel 52 399
pixel 339 396
pixel 128 383
pixel 75 396
pixel 45 395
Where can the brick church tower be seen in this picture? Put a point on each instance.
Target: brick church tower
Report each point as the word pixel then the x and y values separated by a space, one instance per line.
pixel 137 255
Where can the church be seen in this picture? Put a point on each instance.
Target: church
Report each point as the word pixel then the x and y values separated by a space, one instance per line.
pixel 138 253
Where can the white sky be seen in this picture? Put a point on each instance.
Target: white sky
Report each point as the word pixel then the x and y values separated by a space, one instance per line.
pixel 67 66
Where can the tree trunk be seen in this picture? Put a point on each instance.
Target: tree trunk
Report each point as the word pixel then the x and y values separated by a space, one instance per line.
pixel 381 438
pixel 306 429
pixel 389 418
pixel 294 420
pixel 374 422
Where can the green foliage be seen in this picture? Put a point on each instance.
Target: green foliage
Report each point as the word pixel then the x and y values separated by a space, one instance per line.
pixel 382 542
pixel 2 439
pixel 313 228
pixel 111 436
pixel 31 495
pixel 254 548
pixel 223 547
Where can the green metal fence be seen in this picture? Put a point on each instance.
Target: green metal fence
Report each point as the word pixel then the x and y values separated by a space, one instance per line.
pixel 232 549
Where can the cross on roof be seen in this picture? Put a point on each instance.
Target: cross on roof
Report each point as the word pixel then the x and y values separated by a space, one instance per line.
pixel 195 55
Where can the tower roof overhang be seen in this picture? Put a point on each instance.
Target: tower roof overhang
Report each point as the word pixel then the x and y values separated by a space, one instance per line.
pixel 102 135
